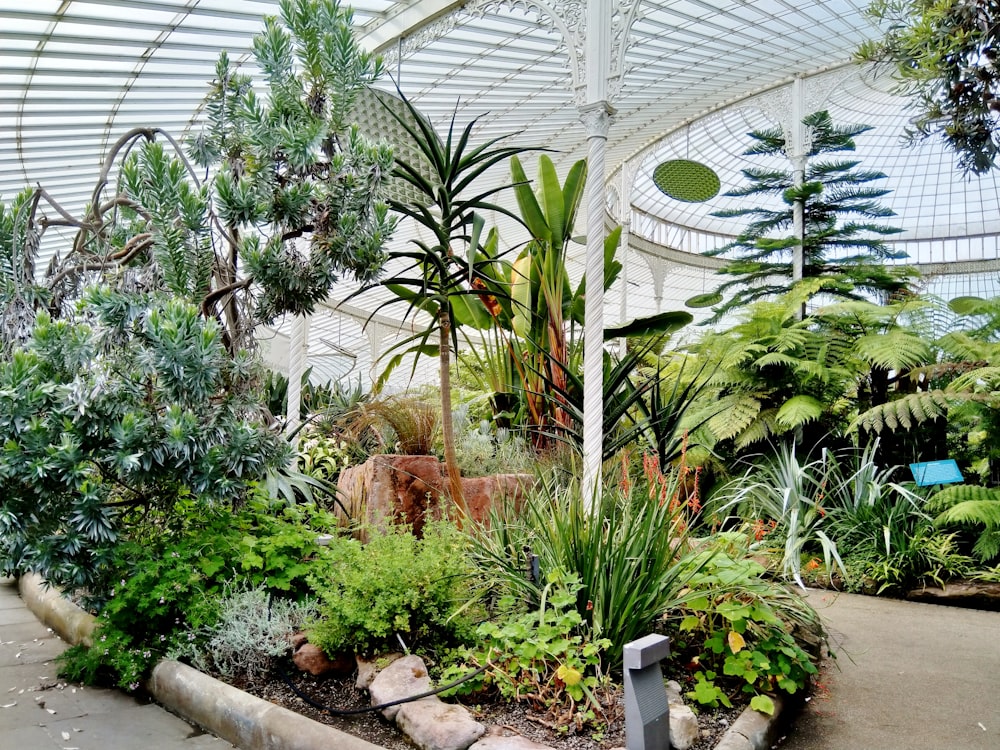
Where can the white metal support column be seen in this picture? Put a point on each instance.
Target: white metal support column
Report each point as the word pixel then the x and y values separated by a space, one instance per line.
pixel 298 355
pixel 596 114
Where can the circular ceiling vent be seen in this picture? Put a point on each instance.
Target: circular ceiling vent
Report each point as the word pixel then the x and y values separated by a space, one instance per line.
pixel 686 180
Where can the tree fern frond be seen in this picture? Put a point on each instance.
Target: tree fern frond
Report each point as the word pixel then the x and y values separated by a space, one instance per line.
pixel 979 512
pixel 961 345
pixel 960 494
pixel 913 408
pixel 895 349
pixel 761 428
pixel 776 358
pixel 799 410
pixel 734 414
pixel 987 546
pixel 982 378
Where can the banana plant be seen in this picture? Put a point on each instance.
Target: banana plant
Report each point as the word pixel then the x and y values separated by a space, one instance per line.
pixel 544 310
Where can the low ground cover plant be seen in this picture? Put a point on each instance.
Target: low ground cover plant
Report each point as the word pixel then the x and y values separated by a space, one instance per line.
pixel 740 633
pixel 166 586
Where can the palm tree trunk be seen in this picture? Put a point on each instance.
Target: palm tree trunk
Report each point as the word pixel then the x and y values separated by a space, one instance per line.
pixel 447 427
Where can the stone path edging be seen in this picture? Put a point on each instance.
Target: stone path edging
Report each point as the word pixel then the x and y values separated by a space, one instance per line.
pixel 247 722
pixel 753 730
pixel 251 723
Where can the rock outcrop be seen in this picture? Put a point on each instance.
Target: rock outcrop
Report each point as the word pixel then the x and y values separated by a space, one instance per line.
pixel 408 489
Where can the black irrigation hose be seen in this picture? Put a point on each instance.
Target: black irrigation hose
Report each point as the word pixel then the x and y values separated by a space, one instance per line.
pixel 355 711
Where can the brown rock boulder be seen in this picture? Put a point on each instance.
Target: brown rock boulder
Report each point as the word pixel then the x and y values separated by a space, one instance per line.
pixel 310 658
pixel 391 489
pixel 408 489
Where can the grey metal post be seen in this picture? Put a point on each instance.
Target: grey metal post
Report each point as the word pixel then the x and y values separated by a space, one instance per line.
pixel 647 713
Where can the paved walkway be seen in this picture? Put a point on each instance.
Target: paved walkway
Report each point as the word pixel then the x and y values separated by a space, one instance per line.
pixel 40 712
pixel 907 677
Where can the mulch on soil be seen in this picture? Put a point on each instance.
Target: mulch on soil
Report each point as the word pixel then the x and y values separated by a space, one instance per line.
pixel 508 718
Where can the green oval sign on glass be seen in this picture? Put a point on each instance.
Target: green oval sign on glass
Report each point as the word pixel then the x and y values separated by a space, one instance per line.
pixel 686 180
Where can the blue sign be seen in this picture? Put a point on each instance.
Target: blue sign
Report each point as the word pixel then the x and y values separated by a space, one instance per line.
pixel 936 472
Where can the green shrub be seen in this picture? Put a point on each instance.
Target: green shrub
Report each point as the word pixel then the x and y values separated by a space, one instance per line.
pixel 169 584
pixel 393 586
pixel 737 629
pixel 132 405
pixel 540 656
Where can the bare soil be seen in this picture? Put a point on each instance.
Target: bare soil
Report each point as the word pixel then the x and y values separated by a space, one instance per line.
pixel 321 698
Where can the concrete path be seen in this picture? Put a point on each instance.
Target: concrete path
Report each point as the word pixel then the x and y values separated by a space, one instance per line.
pixel 907 677
pixel 40 712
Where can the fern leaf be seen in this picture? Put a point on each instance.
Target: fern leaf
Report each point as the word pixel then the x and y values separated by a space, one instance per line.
pixel 960 345
pixel 735 413
pixel 799 410
pixel 894 350
pixel 976 380
pixel 913 408
pixel 987 546
pixel 957 494
pixel 761 429
pixel 776 358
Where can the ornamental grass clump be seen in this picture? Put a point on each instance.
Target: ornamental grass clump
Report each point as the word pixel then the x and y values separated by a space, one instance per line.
pixel 627 549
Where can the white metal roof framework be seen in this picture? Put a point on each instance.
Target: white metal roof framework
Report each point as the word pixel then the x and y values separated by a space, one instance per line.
pixel 686 78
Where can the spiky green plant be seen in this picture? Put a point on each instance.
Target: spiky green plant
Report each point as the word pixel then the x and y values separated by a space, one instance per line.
pixel 439 273
pixel 627 549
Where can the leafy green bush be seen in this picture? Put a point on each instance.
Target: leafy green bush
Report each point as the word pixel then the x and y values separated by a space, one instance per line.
pixel 132 404
pixel 540 656
pixel 394 585
pixel 737 630
pixel 168 583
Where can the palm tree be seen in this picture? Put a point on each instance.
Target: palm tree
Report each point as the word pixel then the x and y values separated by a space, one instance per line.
pixel 440 275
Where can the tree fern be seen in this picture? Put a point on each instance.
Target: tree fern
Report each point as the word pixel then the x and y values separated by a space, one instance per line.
pixel 966 504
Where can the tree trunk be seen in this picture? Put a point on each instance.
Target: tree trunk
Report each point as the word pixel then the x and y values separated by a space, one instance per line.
pixel 447 427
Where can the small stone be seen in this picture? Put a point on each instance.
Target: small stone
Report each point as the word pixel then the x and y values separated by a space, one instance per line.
pixel 310 658
pixel 432 724
pixel 403 678
pixel 684 730
pixel 496 741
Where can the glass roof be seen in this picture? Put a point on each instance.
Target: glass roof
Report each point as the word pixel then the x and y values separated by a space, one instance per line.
pixel 691 78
